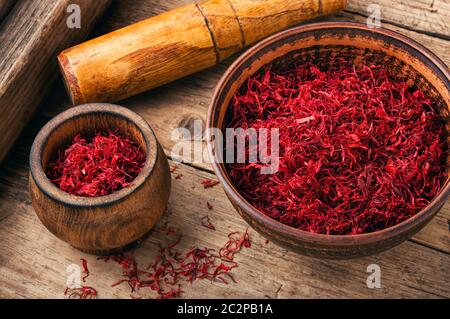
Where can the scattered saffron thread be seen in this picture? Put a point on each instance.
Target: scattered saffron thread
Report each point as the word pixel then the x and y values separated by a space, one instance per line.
pixel 171 267
pixel 235 242
pixel 169 230
pixel 85 269
pixel 85 292
pixel 207 183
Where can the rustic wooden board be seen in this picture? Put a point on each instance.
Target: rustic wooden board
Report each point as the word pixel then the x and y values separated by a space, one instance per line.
pixel 33 262
pixel 31 37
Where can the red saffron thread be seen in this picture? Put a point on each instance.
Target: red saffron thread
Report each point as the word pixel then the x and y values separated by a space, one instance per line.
pixel 360 150
pixel 207 183
pixel 235 242
pixel 85 292
pixel 206 222
pixel 208 204
pixel 97 166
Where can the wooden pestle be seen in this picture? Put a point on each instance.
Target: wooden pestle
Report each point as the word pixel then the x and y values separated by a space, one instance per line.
pixel 177 43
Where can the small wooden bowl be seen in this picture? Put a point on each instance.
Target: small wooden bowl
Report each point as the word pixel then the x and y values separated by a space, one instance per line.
pixel 319 42
pixel 105 224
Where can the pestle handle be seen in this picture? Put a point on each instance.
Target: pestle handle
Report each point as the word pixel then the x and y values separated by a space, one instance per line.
pixel 176 43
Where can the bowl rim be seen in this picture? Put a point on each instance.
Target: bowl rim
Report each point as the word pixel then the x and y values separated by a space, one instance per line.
pixel 52 191
pixel 289 232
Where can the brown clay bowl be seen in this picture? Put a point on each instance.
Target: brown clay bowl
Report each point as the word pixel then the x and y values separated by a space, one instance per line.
pixel 318 42
pixel 104 224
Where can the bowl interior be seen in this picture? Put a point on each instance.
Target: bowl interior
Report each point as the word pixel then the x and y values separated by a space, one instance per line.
pixel 352 43
pixel 88 125
pixel 87 120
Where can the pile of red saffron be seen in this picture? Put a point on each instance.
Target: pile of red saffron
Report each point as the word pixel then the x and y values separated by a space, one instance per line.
pixel 97 166
pixel 360 150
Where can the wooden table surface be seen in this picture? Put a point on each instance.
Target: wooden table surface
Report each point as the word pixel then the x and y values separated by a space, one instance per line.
pixel 33 262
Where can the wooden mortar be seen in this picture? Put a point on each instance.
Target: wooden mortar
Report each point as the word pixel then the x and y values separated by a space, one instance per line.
pixel 177 43
pixel 104 224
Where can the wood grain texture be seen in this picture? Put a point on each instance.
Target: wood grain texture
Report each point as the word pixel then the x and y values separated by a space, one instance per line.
pixel 175 44
pixel 429 16
pixel 30 38
pixel 5 6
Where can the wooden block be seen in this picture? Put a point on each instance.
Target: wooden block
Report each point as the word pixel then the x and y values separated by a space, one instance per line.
pixel 30 38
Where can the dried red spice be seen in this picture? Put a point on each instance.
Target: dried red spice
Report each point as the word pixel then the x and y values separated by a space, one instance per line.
pixel 169 230
pixel 85 269
pixel 206 222
pixel 207 183
pixel 208 204
pixel 235 242
pixel 98 165
pixel 130 271
pixel 360 150
pixel 173 293
pixel 178 176
pixel 85 292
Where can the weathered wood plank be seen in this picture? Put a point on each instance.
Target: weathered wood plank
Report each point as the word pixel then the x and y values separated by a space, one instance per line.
pixel 31 37
pixel 33 262
pixel 429 16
